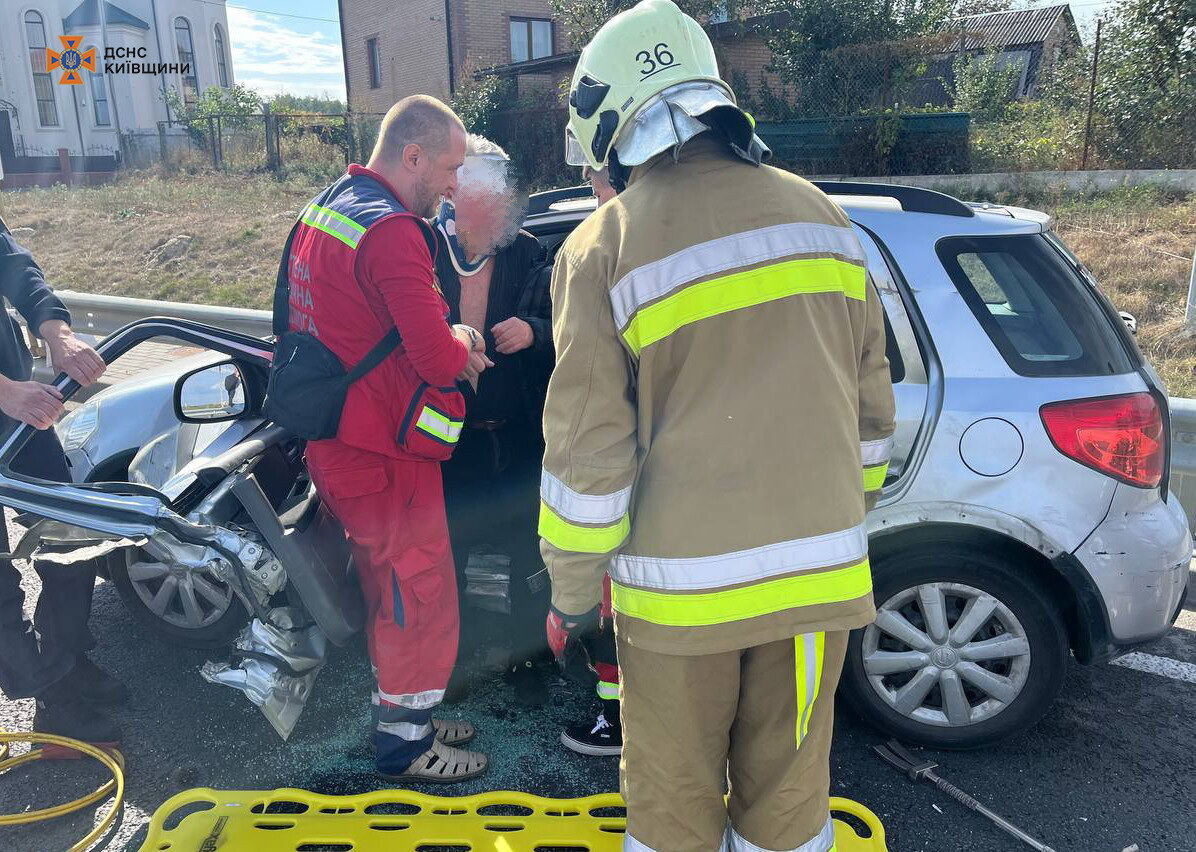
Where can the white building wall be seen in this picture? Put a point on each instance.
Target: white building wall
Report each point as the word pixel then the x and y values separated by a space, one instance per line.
pixel 135 98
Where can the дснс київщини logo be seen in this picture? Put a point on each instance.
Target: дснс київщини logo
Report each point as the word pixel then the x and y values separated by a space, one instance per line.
pixel 70 60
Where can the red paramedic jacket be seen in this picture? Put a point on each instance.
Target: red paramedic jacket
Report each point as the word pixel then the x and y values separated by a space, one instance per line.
pixel 360 265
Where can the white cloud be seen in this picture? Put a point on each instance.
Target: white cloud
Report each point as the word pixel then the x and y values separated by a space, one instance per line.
pixel 270 56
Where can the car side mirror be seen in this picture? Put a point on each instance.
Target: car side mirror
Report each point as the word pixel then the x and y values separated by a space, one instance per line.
pixel 211 394
pixel 1131 322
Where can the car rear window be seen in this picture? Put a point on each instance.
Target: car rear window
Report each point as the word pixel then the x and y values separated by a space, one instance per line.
pixel 1035 308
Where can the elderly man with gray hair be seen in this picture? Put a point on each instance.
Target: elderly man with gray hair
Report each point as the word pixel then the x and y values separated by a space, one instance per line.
pixel 493 279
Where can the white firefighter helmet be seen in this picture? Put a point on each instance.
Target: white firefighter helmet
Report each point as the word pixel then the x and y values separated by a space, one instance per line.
pixel 650 56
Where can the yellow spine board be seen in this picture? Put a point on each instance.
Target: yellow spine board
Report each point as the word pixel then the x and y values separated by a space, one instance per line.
pixel 401 821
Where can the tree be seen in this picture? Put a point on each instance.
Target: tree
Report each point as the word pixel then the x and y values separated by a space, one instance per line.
pixel 1146 84
pixel 479 98
pixel 846 57
pixel 236 103
pixel 322 105
pixel 965 8
pixel 582 18
pixel 984 85
pixel 818 25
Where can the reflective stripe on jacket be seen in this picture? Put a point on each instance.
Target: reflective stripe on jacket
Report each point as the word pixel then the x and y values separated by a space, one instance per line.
pixel 328 299
pixel 720 406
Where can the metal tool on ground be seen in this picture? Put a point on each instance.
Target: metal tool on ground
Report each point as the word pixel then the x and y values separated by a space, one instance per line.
pixel 403 821
pixel 51 747
pixel 897 755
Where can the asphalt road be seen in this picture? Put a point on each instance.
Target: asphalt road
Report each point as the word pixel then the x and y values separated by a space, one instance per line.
pixel 1111 765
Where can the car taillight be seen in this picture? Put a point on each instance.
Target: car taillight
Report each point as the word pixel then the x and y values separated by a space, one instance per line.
pixel 1121 436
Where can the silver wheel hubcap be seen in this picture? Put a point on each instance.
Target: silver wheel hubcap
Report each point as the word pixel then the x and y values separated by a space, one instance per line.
pixel 946 654
pixel 181 597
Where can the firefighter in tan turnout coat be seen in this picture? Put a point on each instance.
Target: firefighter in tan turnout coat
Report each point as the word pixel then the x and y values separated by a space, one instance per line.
pixel 719 419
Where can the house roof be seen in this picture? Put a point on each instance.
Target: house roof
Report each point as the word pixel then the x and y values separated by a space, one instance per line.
pixel 531 66
pixel 1013 27
pixel 87 14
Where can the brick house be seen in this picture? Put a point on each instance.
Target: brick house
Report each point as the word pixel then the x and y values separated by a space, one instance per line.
pixel 392 50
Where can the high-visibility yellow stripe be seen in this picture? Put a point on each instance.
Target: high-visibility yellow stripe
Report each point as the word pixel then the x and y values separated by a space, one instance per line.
pixel 334 224
pixel 721 607
pixel 353 226
pixel 809 653
pixel 608 691
pixel 741 290
pixel 874 477
pixel 438 425
pixel 578 539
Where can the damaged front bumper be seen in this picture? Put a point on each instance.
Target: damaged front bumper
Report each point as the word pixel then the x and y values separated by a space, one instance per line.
pixel 275 664
pixel 277 657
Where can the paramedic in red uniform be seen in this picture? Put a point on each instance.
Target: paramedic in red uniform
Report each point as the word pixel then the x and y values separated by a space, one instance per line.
pixel 361 264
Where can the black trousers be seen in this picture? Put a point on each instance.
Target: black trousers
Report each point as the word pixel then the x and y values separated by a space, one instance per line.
pixel 34 656
pixel 491 488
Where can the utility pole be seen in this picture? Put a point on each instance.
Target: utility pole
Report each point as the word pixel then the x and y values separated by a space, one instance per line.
pixel 1091 96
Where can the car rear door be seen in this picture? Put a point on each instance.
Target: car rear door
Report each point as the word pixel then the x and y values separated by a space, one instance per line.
pixel 912 386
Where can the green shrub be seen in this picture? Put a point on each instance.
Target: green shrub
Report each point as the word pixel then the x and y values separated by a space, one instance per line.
pixel 1028 136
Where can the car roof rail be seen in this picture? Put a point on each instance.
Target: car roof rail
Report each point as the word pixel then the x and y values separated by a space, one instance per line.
pixel 913 199
pixel 540 202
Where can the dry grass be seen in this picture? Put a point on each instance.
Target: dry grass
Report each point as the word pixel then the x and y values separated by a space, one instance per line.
pixel 1139 245
pixel 104 239
pixel 1138 242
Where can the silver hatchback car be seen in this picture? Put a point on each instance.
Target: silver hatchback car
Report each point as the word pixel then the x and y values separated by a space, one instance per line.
pixel 1027 512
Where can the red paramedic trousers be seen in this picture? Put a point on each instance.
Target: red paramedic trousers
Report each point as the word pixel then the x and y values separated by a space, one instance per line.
pixel 393 513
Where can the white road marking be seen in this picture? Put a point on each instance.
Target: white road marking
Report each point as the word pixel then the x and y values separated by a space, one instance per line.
pixel 1164 666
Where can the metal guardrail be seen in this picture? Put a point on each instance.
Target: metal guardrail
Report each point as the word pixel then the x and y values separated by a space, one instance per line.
pixel 1183 455
pixel 101 315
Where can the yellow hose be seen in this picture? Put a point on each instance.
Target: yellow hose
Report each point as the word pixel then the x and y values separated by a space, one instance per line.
pixel 114 762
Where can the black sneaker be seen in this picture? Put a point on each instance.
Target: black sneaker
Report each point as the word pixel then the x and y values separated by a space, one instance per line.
pixel 92 683
pixel 74 718
pixel 599 738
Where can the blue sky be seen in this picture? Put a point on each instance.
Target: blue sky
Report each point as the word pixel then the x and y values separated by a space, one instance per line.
pixel 299 50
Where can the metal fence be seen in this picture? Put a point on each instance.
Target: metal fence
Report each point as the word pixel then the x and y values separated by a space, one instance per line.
pixel 1031 108
pixel 274 142
pixel 942 104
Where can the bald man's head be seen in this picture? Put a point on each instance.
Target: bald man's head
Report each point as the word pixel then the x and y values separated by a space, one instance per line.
pixel 415 120
pixel 421 144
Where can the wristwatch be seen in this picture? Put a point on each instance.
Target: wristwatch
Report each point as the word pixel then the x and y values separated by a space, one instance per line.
pixel 474 337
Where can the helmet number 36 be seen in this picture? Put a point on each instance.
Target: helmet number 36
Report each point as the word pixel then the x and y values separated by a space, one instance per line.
pixel 658 59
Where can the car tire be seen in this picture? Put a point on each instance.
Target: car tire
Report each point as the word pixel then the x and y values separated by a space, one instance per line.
pixel 219 632
pixel 1025 626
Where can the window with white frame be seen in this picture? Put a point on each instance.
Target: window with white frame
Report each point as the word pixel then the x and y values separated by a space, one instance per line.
pixel 186 53
pixel 99 97
pixel 43 83
pixel 221 60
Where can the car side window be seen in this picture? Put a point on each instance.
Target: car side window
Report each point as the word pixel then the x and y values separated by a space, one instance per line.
pixel 1038 312
pixel 901 344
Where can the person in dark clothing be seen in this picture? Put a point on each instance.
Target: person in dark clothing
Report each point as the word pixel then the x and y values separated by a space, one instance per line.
pixel 48 658
pixel 492 480
pixel 601 735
